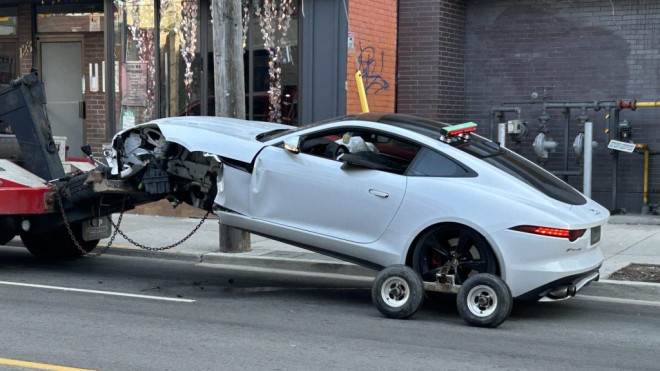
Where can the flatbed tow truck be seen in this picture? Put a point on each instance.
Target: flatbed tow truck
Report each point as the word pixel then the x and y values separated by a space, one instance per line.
pixel 60 214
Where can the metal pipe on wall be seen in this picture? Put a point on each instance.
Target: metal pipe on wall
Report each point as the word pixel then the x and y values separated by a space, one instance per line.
pixel 501 134
pixel 615 169
pixel 647 104
pixel 498 111
pixel 567 115
pixel 588 155
pixel 645 192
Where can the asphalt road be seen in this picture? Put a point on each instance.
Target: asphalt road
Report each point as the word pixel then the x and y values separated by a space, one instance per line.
pixel 245 320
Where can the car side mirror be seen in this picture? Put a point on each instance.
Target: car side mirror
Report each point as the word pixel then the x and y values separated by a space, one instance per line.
pixel 292 144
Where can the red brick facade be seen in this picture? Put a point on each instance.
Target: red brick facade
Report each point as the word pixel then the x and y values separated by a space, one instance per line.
pixel 373 25
pixel 25 47
pixel 94 122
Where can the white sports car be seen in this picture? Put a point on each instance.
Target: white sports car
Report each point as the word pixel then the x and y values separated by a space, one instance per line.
pixel 377 190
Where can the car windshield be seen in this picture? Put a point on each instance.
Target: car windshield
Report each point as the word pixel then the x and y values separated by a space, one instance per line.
pixel 273 134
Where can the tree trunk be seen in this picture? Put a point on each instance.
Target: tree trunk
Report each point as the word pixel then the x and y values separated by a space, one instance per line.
pixel 229 89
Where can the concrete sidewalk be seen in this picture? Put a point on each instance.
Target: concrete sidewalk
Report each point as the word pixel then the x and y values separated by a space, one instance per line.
pixel 626 239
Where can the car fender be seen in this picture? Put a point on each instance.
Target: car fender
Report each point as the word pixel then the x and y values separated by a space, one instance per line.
pixel 459 221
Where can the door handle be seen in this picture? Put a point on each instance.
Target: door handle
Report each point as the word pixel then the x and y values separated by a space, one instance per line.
pixel 378 193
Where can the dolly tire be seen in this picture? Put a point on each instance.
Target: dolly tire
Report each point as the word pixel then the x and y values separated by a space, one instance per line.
pixel 398 292
pixel 484 300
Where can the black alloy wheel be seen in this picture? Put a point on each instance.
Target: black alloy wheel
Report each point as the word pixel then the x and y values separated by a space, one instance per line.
pixel 450 242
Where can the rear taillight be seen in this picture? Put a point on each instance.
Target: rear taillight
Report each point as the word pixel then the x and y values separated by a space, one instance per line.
pixel 571 234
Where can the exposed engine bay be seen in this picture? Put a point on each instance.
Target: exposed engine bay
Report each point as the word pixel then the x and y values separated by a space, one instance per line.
pixel 144 158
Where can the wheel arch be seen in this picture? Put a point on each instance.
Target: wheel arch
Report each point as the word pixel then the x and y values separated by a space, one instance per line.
pixel 489 243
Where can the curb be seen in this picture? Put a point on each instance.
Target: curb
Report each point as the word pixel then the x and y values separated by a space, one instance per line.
pixel 307 265
pixel 323 267
pixel 634 219
pixel 140 253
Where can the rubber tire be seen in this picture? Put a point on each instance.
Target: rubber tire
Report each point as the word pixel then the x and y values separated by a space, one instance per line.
pixel 502 295
pixel 80 191
pixel 420 264
pixel 7 229
pixel 6 237
pixel 56 243
pixel 415 295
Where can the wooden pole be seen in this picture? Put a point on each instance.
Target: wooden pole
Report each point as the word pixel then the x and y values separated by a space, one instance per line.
pixel 229 89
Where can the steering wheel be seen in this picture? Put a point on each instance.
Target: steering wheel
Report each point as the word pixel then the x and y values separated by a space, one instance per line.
pixel 339 151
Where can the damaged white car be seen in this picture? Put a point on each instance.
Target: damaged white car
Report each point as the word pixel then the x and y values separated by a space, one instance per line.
pixel 377 190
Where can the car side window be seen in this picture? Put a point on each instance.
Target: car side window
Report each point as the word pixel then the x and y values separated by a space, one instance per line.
pixel 433 164
pixel 382 150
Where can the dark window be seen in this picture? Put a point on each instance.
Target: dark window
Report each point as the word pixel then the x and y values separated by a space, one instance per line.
pixel 380 150
pixel 8 21
pixel 528 172
pixel 434 164
pixel 491 153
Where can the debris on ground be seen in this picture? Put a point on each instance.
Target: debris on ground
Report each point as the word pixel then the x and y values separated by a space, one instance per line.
pixel 638 272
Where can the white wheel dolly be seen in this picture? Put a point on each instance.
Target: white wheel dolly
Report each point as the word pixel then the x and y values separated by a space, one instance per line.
pixel 483 300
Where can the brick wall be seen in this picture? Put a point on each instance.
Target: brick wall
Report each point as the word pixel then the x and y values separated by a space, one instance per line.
pixel 583 50
pixel 25 38
pixel 373 25
pixel 431 59
pixel 577 51
pixel 94 122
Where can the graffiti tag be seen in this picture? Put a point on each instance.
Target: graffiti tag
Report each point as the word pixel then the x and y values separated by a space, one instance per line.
pixel 372 69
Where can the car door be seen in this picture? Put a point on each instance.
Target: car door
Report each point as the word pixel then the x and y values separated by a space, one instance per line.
pixel 323 196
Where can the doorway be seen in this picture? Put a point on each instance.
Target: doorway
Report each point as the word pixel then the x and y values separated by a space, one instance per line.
pixel 62 75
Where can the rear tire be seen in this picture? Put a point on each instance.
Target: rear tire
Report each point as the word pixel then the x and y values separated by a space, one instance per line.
pixel 56 243
pixel 398 291
pixel 6 237
pixel 484 300
pixel 442 243
pixel 7 229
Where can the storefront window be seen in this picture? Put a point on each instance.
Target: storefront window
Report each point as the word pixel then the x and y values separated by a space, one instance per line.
pixel 270 56
pixel 135 54
pixel 7 63
pixel 59 19
pixel 275 59
pixel 270 60
pixel 8 21
pixel 180 58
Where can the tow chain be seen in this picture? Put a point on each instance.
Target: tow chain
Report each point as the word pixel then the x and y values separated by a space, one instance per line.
pixel 55 190
pixel 144 247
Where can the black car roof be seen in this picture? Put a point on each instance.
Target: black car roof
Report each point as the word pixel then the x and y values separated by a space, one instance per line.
pixel 420 125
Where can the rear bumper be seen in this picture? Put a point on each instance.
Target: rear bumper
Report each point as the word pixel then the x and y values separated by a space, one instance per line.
pixel 562 288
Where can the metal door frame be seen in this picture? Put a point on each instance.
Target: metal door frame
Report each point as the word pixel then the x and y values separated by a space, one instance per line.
pixel 63 38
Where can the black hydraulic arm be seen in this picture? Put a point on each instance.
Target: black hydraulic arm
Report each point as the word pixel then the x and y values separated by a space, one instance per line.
pixel 23 107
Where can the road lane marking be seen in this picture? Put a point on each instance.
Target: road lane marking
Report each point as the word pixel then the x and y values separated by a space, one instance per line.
pixel 38 366
pixel 618 300
pixel 110 293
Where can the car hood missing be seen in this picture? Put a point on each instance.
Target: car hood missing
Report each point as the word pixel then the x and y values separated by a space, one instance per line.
pixel 228 137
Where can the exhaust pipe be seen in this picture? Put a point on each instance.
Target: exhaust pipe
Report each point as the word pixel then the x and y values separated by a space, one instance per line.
pixel 562 292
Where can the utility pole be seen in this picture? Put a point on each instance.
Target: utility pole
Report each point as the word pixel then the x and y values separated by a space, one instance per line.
pixel 229 89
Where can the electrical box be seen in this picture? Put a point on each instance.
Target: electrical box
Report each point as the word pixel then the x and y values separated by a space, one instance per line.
pixel 514 126
pixel 624 130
